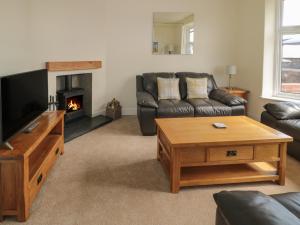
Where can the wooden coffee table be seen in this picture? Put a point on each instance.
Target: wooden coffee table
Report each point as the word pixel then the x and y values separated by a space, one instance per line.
pixel 193 152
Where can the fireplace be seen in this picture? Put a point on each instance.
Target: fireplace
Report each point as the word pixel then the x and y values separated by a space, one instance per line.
pixel 71 100
pixel 74 95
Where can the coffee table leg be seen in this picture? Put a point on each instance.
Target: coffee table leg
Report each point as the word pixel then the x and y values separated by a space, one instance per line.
pixel 158 145
pixel 158 150
pixel 175 171
pixel 282 163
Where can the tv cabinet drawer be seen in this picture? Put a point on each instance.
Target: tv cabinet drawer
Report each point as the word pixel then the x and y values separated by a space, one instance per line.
pixel 41 175
pixel 36 185
pixel 230 153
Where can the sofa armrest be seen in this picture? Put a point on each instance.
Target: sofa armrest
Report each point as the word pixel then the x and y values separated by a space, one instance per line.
pixel 252 207
pixel 284 110
pixel 145 99
pixel 220 218
pixel 139 83
pixel 226 98
pixel 291 201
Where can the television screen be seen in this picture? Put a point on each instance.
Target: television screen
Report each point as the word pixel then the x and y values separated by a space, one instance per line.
pixel 23 98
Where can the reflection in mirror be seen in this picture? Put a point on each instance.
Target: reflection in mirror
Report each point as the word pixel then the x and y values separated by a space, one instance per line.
pixel 173 33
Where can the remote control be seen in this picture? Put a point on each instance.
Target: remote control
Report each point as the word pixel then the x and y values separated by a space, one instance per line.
pixel 219 125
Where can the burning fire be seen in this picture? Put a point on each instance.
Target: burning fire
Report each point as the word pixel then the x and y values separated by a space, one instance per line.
pixel 73 105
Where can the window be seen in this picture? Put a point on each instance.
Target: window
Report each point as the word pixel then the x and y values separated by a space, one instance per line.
pixel 188 39
pixel 288 52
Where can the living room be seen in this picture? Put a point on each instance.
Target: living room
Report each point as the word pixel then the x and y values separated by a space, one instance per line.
pixel 111 175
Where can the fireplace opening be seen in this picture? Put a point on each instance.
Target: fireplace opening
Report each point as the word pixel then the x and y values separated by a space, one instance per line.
pixel 74 103
pixel 71 100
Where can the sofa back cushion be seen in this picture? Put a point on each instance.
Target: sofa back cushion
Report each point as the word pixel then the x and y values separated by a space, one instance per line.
pixel 150 82
pixel 211 84
pixel 284 110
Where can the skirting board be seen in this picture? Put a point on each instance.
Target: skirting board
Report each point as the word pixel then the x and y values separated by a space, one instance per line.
pixel 129 111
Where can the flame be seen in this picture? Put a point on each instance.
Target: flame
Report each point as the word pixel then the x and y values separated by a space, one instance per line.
pixel 73 105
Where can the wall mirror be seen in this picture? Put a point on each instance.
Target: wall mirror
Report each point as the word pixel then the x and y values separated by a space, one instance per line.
pixel 173 33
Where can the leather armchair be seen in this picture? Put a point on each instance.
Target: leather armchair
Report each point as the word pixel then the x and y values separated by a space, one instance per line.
pixel 285 116
pixel 253 207
pixel 219 103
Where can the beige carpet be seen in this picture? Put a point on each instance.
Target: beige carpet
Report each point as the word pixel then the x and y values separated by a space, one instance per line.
pixel 111 177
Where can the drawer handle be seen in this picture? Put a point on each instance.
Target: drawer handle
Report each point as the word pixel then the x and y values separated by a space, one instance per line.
pixel 57 151
pixel 231 153
pixel 40 178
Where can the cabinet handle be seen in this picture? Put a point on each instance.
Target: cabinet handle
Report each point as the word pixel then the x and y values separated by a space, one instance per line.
pixel 40 178
pixel 231 153
pixel 57 151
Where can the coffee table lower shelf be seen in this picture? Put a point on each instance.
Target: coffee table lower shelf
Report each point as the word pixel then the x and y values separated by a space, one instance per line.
pixel 228 174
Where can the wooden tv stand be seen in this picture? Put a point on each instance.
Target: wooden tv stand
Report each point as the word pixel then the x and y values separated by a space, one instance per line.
pixel 24 169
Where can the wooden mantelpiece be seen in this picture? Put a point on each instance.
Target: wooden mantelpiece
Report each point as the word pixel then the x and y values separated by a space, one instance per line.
pixel 73 65
pixel 24 170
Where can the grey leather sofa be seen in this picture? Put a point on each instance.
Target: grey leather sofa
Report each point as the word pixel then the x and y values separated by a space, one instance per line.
pixel 220 103
pixel 256 208
pixel 285 116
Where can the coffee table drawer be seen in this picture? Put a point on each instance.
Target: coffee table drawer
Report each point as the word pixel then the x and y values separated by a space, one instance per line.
pixel 192 155
pixel 230 153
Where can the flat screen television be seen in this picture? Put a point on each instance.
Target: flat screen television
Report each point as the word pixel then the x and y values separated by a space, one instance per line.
pixel 24 97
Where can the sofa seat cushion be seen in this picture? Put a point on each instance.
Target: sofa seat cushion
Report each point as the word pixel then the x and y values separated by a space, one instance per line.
pixel 290 127
pixel 291 201
pixel 174 108
pixel 209 107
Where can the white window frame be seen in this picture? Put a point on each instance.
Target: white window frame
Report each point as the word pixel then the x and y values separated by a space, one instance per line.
pixel 185 42
pixel 280 31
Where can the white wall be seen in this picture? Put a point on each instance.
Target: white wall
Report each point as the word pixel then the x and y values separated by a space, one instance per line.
pixel 15 52
pixel 120 34
pixel 250 51
pixel 66 30
pixel 129 34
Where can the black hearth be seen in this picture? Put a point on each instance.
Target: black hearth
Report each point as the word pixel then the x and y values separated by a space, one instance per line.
pixel 71 100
